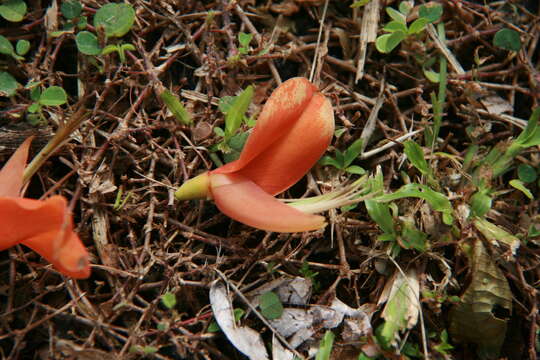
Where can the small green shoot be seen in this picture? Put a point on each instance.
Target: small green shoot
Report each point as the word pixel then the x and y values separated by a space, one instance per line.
pixel 307 273
pixel 507 39
pixel 343 160
pixel 325 347
pixel 119 203
pixel 13 10
pixel 359 3
pixel 116 19
pixel 244 40
pixel 237 313
pixel 118 48
pixel 271 306
pixel 519 185
pixel 444 346
pixel 87 43
pixel 168 300
pixel 8 84
pixel 22 47
pixel 7 48
pixel 176 107
pixel 397 29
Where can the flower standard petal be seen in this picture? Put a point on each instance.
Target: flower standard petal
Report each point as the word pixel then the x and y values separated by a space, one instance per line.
pixel 285 161
pixel 241 199
pixel 278 115
pixel 11 175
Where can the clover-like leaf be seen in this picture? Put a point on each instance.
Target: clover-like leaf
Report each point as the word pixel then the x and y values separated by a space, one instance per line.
pixel 115 18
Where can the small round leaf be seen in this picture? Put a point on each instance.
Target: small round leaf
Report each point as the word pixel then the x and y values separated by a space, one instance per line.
pixel 22 47
pixel 526 173
pixel 13 10
pixel 71 9
pixel 169 300
pixel 116 18
pixel 507 39
pixel 271 307
pixel 87 43
pixel 53 96
pixel 8 84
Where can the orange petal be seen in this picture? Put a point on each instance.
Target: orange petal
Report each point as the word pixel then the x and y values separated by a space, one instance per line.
pixel 285 161
pixel 46 227
pixel 11 175
pixel 278 115
pixel 242 200
pixel 70 258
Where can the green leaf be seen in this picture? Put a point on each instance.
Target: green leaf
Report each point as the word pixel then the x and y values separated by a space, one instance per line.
pixel 517 184
pixel 418 26
pixel 507 39
pixel 432 12
pixel 355 169
pixel 352 152
pixel 416 156
pixel 380 212
pixel 325 347
pixel 6 48
pixel 271 307
pixel 396 15
pixel 22 47
pixel 116 18
pixel 13 10
pixel 236 144
pixel 432 76
pixel 8 84
pixel 83 23
pixel 71 9
pixel 87 43
pixel 412 238
pixel 394 26
pixel 169 300
pixel 33 108
pixel 219 131
pixel 149 350
pixel 388 42
pixel 359 3
pixel 481 203
pixel 235 114
pixel 110 49
pixel 175 107
pixel 531 135
pixel 526 173
pixel 127 47
pixel 327 160
pixel 405 7
pixel 53 96
pixel 436 200
pixel 244 40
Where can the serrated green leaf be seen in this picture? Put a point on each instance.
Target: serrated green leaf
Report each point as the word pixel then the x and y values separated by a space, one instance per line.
pixel 87 43
pixel 8 84
pixel 13 10
pixel 325 346
pixel 271 307
pixel 115 18
pixel 432 12
pixel 176 107
pixel 416 156
pixel 519 185
pixel 507 39
pixel 388 42
pixel 53 96
pixel 22 47
pixel 71 9
pixel 169 300
pixel 237 111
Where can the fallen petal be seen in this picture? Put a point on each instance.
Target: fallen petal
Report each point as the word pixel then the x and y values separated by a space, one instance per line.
pixel 244 201
pixel 11 175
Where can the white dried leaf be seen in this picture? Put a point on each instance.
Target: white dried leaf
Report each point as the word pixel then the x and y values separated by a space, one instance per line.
pixel 296 291
pixel 292 320
pixel 243 338
pixel 497 105
pixel 279 352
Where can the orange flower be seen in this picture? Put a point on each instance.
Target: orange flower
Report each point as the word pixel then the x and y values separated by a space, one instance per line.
pixel 45 226
pixel 294 129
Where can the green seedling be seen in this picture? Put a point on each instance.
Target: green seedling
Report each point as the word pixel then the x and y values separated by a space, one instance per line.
pixel 238 313
pixel 13 10
pixel 325 347
pixel 7 48
pixel 343 160
pixel 398 30
pixel 307 273
pixel 444 346
pixel 244 40
pixel 359 3
pixel 119 203
pixel 51 96
pixel 176 107
pixel 168 300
